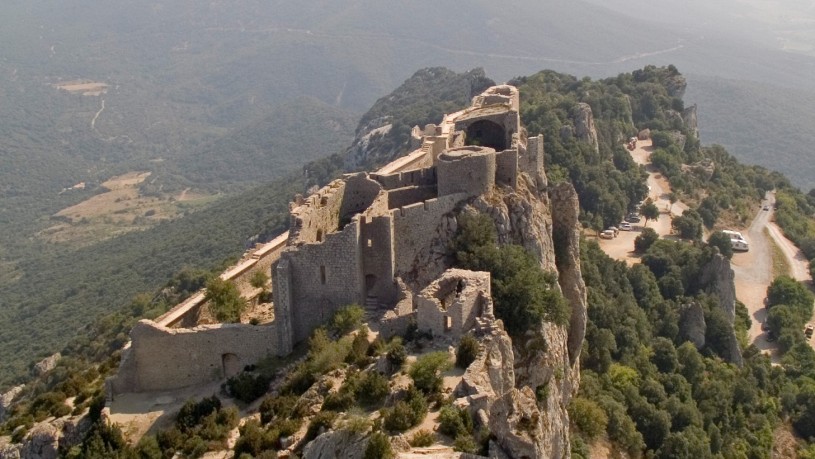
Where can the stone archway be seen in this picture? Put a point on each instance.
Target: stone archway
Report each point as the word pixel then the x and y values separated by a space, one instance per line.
pixel 487 134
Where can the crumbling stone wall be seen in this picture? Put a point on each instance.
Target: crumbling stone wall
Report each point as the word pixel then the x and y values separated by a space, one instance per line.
pixel 318 215
pixel 413 230
pixel 450 305
pixel 162 358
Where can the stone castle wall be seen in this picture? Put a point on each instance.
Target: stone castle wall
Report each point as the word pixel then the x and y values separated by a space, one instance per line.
pixel 413 227
pixel 415 177
pixel 162 358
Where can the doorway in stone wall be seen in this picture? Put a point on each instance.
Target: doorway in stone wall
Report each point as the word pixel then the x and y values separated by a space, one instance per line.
pixel 371 300
pixel 231 365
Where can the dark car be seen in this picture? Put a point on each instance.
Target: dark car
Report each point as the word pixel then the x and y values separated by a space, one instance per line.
pixel 770 337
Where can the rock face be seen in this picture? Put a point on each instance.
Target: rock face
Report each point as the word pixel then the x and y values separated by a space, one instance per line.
pixel 691 120
pixel 338 443
pixel 566 237
pixel 692 324
pixel 676 85
pixel 584 128
pixel 7 398
pixel 46 439
pixel 523 386
pixel 47 364
pixel 720 280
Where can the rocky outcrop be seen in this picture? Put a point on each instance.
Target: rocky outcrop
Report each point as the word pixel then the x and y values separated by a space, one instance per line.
pixel 719 279
pixel 584 128
pixel 692 326
pixel 9 451
pixel 47 364
pixel 678 139
pixel 7 399
pixel 676 85
pixel 691 120
pixel 566 236
pixel 46 439
pixel 336 443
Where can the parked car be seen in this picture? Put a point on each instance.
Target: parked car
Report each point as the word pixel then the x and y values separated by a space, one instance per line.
pixel 808 330
pixel 607 234
pixel 633 218
pixel 625 226
pixel 766 207
pixel 614 229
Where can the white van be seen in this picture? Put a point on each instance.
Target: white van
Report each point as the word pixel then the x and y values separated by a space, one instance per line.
pixel 737 241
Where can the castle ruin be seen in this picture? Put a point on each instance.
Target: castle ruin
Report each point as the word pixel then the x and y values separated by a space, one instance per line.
pixel 358 240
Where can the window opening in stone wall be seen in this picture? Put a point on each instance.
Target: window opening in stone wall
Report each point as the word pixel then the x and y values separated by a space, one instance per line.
pixel 322 275
pixel 370 243
pixel 319 235
pixel 448 323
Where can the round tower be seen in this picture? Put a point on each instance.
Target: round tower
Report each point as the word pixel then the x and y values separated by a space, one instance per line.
pixel 469 169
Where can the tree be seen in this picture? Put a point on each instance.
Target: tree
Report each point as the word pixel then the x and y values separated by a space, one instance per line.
pixel 225 300
pixel 722 242
pixel 645 239
pixel 688 225
pixel 649 211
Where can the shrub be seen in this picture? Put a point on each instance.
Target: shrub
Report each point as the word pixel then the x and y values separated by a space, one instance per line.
pixel 397 354
pixel 468 349
pixel 323 420
pixel 399 418
pixel 347 318
pixel 359 348
pixel 224 300
pixel 422 439
pixel 373 388
pixel 455 422
pixel 254 439
pixel 466 444
pixel 427 369
pixel 405 413
pixel 259 279
pixel 379 447
pixel 191 414
pixel 247 387
pixel 280 407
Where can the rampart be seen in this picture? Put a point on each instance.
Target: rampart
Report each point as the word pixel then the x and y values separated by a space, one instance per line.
pixel 161 358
